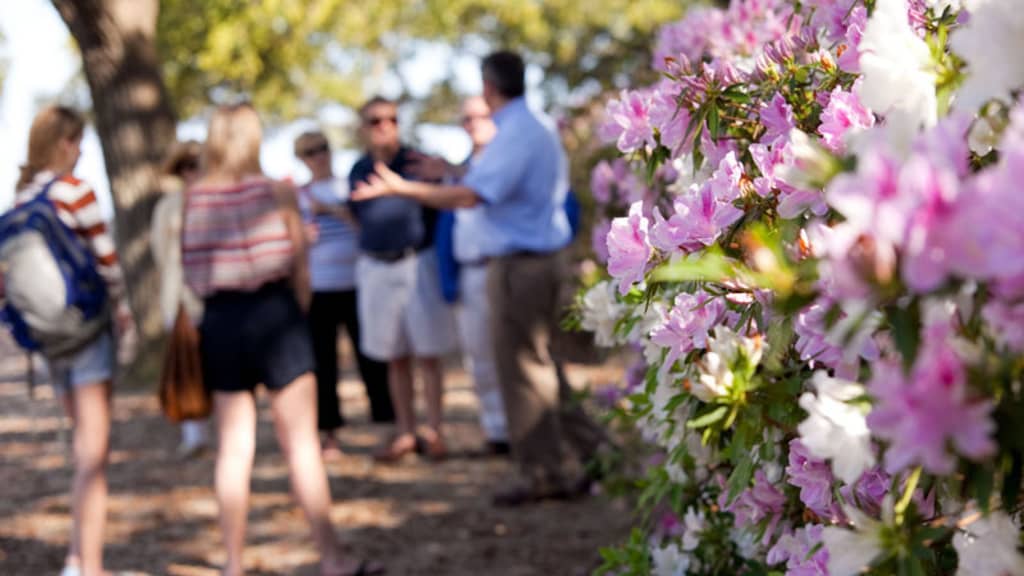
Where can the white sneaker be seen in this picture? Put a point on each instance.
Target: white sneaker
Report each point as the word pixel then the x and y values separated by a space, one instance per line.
pixel 193 438
pixel 70 570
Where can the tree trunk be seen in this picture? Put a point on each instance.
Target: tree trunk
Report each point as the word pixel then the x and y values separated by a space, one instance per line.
pixel 136 124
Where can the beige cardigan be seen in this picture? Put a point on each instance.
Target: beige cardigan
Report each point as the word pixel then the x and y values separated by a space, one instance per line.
pixel 165 241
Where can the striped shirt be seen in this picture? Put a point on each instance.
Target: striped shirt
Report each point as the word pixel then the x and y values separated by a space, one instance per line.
pixel 235 238
pixel 77 207
pixel 332 258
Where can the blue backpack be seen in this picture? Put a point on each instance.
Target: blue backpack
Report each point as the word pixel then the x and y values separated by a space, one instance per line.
pixel 55 299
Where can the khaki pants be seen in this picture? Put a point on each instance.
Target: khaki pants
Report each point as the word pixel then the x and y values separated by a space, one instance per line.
pixel 543 421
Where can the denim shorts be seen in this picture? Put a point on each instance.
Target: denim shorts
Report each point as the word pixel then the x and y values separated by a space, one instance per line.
pixel 251 337
pixel 92 365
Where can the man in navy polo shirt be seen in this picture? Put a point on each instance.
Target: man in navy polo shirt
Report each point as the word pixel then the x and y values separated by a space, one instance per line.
pixel 521 179
pixel 401 311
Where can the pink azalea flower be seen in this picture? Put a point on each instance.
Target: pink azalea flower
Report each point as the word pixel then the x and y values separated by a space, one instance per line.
pixel 843 115
pixel 831 15
pixel 795 550
pixel 926 258
pixel 601 180
pixel 766 158
pixel 1005 321
pixel 990 218
pixel 868 492
pixel 688 38
pixel 928 410
pixel 599 240
pixel 628 250
pixel 698 220
pixel 761 502
pixel 777 117
pixel 687 325
pixel 814 478
pixel 725 182
pixel 715 152
pixel 670 120
pixel 849 60
pixel 628 123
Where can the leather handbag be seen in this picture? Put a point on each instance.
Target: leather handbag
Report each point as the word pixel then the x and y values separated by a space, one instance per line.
pixel 183 396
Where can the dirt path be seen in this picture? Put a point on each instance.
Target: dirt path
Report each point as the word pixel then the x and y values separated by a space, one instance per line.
pixel 419 518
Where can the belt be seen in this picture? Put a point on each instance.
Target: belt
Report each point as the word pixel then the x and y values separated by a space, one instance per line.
pixel 391 256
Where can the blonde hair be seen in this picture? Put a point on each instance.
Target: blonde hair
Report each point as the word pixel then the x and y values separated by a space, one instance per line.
pixel 50 126
pixel 307 138
pixel 233 141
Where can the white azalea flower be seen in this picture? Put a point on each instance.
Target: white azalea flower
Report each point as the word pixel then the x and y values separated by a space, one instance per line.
pixel 852 551
pixel 746 542
pixel 989 42
pixel 602 312
pixel 835 430
pixel 693 524
pixel 898 73
pixel 715 379
pixel 669 561
pixel 725 351
pixel 939 6
pixel 988 547
pixel 807 164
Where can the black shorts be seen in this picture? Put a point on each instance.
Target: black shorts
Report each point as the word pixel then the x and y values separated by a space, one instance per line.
pixel 252 337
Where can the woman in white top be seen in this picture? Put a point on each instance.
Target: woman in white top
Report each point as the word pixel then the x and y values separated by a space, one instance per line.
pixel 180 170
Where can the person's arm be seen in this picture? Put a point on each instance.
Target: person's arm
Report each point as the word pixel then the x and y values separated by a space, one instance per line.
pixel 89 223
pixel 385 182
pixel 296 232
pixel 339 211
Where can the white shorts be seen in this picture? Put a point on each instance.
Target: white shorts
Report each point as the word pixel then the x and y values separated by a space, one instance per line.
pixel 94 364
pixel 401 310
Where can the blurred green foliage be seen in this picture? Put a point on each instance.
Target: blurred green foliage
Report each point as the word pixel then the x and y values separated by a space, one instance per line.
pixel 292 56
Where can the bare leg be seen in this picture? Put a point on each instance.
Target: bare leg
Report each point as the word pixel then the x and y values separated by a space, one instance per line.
pixel 90 408
pixel 433 390
pixel 400 383
pixel 295 419
pixel 236 430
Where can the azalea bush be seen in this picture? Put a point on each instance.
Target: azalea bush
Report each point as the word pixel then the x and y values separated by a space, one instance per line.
pixel 814 238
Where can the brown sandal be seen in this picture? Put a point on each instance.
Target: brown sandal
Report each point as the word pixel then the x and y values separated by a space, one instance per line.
pixel 396 449
pixel 432 445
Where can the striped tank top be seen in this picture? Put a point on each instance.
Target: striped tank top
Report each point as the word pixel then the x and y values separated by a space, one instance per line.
pixel 235 238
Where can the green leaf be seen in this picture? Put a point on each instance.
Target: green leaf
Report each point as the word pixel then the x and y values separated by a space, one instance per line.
pixel 714 122
pixel 740 477
pixel 708 419
pixel 906 330
pixel 709 267
pixel 908 494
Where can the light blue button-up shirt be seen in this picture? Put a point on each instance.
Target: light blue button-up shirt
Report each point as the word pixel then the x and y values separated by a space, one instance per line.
pixel 522 176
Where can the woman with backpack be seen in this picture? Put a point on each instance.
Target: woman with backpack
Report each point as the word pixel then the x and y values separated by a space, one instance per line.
pixel 84 376
pixel 180 170
pixel 244 253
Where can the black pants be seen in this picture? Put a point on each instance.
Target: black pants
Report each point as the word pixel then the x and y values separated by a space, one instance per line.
pixel 328 311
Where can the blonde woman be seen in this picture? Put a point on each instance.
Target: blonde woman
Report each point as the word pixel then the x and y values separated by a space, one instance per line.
pixel 83 380
pixel 244 253
pixel 180 170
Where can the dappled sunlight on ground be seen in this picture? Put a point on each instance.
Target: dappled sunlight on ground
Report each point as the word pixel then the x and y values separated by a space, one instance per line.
pixel 418 517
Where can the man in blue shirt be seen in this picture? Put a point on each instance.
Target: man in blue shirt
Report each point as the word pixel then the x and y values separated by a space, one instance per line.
pixel 521 180
pixel 401 312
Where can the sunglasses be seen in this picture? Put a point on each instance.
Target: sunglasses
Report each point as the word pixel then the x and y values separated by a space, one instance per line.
pixel 315 150
pixel 378 120
pixel 469 119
